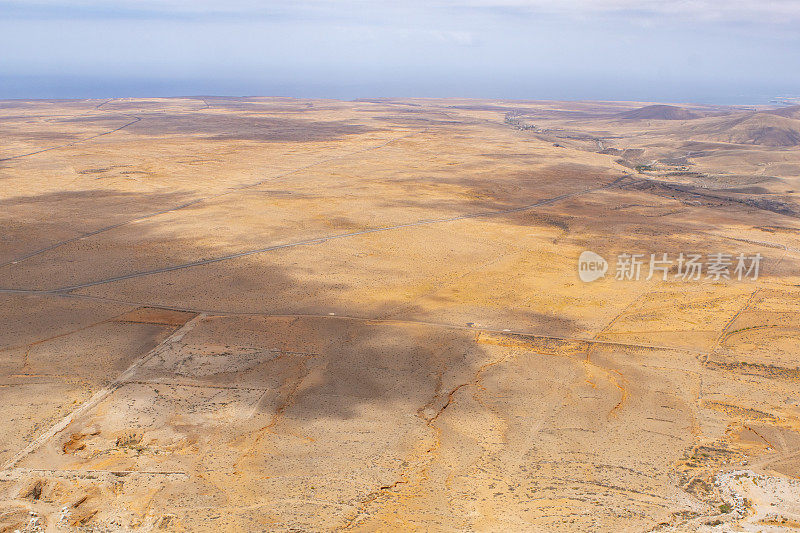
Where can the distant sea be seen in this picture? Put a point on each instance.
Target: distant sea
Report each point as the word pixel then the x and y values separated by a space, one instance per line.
pixel 75 87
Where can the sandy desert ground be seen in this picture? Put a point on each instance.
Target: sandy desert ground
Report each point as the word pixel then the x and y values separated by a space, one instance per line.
pixel 271 314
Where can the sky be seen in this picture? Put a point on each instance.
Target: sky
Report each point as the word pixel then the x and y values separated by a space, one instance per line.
pixel 704 51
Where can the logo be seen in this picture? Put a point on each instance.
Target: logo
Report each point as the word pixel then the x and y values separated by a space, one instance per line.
pixel 591 267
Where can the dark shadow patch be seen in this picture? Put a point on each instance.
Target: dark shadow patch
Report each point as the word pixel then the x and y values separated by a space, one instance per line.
pixel 401 120
pixel 94 203
pixel 234 128
pixel 490 191
pixel 35 222
pixel 328 367
pixel 42 137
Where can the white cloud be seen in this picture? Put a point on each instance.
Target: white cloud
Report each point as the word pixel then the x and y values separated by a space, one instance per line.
pixel 704 10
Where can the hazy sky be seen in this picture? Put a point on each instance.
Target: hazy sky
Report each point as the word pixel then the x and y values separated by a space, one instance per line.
pixel 732 51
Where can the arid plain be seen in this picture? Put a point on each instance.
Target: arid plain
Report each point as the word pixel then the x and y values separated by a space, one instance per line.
pixel 267 314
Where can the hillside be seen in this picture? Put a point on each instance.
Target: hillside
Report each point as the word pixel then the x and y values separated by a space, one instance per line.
pixel 660 112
